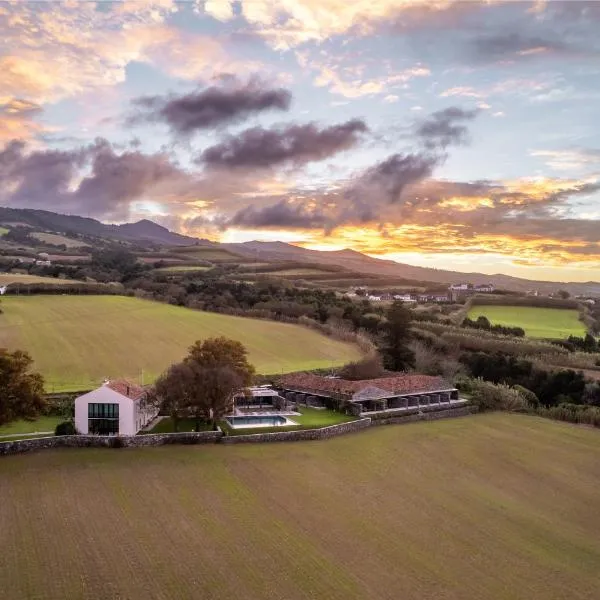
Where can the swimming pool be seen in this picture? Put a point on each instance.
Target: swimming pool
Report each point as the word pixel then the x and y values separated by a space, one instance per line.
pixel 259 421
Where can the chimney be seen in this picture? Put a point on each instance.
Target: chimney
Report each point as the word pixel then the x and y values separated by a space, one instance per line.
pixel 127 390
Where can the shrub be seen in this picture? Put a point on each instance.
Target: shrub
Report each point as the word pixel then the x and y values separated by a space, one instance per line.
pixel 490 396
pixel 369 367
pixel 65 428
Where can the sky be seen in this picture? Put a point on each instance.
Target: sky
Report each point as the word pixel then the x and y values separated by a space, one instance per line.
pixel 454 135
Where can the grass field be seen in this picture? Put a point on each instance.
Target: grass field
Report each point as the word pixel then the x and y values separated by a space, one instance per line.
pixel 58 240
pixel 3 231
pixel 494 507
pixel 76 341
pixel 181 268
pixel 537 322
pixel 8 278
pixel 40 424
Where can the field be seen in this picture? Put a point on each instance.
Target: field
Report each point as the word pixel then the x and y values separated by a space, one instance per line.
pixel 39 425
pixel 180 269
pixel 77 341
pixel 553 323
pixel 494 507
pixel 58 240
pixel 8 278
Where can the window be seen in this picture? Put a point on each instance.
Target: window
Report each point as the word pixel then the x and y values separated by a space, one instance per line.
pixel 103 419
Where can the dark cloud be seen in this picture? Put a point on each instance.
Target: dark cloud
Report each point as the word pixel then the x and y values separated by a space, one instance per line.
pixel 50 179
pixel 212 107
pixel 445 128
pixel 388 179
pixel 292 144
pixel 283 214
pixel 507 46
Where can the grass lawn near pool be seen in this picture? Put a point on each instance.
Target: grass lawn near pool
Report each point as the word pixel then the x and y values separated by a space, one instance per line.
pixel 78 341
pixel 486 507
pixel 553 323
pixel 310 418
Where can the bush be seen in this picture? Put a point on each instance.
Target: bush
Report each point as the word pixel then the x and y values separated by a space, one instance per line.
pixel 65 428
pixel 490 396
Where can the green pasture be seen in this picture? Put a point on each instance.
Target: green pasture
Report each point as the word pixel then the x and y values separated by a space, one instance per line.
pixel 555 323
pixel 494 507
pixel 77 341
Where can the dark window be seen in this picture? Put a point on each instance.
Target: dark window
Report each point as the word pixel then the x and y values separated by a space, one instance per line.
pixel 103 419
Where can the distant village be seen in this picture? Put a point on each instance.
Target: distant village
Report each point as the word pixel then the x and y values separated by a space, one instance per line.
pixel 454 292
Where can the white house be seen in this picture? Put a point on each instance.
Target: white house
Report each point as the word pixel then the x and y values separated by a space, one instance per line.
pixel 115 408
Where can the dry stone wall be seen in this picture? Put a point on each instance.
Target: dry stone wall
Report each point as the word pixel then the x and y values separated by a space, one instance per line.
pixel 213 437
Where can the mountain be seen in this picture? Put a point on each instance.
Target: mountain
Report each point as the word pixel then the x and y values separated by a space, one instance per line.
pixel 142 231
pixel 146 231
pixel 355 261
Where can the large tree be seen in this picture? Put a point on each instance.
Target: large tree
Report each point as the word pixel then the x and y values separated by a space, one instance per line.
pixel 203 385
pixel 21 391
pixel 222 352
pixel 397 356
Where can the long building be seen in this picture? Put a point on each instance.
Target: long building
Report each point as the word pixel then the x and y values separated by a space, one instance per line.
pixel 394 392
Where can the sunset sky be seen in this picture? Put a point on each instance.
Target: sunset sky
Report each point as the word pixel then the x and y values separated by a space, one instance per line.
pixel 455 135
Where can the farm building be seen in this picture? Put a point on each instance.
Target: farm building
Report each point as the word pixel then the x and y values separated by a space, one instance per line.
pixel 399 391
pixel 115 408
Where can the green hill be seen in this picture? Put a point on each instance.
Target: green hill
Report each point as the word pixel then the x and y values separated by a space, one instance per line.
pixel 77 341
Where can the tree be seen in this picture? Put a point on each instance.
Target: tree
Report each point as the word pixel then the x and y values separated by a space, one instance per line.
pixel 203 385
pixel 173 392
pixel 369 367
pixel 397 356
pixel 563 294
pixel 222 352
pixel 21 391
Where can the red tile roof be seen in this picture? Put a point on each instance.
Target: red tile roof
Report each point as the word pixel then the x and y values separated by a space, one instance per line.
pixel 402 383
pixel 127 389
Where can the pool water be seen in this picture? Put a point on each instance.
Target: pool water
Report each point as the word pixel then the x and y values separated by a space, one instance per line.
pixel 259 421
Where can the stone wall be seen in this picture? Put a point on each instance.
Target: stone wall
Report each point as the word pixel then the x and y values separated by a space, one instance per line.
pixel 97 441
pixel 299 435
pixel 426 415
pixel 213 437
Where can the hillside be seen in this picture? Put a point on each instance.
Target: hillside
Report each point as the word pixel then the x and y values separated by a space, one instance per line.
pixel 146 232
pixel 77 341
pixel 355 261
pixel 492 507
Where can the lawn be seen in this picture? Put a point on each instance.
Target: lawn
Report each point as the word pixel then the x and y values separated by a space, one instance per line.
pixel 555 323
pixel 77 341
pixel 310 418
pixel 166 425
pixel 3 231
pixel 494 507
pixel 39 424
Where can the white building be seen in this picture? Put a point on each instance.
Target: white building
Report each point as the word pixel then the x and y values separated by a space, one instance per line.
pixel 115 408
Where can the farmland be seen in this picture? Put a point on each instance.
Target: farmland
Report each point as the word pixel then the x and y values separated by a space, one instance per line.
pixel 77 341
pixel 13 278
pixel 405 512
pixel 58 240
pixel 553 323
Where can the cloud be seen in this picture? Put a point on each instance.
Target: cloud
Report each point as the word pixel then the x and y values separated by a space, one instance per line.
pixel 294 22
pixel 92 180
pixel 211 107
pixel 92 47
pixel 445 127
pixel 569 160
pixel 18 120
pixel 514 45
pixel 284 214
pixel 351 79
pixel 291 144
pixel 221 10
pixel 466 91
